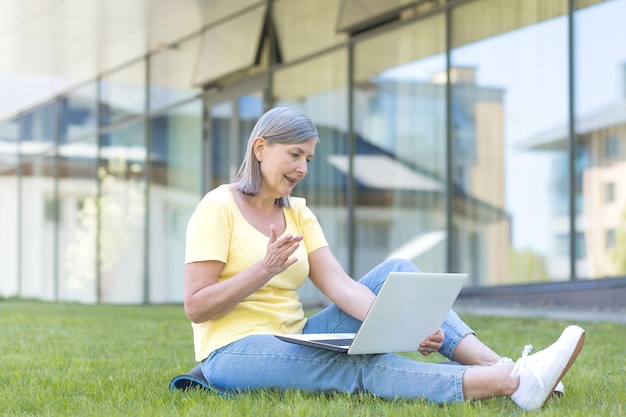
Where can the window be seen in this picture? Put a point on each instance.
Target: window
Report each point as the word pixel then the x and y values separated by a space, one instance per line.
pixel 50 210
pixel 230 46
pixel 505 114
pixel 78 114
pixel 373 233
pixel 581 251
pixel 121 241
pixel 170 72
pixel 611 147
pixel 77 227
pixel 609 193
pixel 610 239
pixel 9 213
pixel 561 245
pixel 317 87
pixel 123 94
pixel 305 27
pixel 599 116
pixel 175 187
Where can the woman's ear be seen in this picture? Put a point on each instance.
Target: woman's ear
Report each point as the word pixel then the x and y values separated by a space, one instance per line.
pixel 258 147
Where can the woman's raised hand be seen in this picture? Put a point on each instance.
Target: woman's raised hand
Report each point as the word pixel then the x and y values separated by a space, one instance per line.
pixel 277 258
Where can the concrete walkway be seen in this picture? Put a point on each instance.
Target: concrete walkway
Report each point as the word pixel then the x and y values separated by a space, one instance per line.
pixel 578 314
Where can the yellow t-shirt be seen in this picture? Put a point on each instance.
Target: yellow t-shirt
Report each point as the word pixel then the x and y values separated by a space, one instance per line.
pixel 218 231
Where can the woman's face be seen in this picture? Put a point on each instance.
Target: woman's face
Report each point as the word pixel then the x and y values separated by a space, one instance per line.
pixel 283 166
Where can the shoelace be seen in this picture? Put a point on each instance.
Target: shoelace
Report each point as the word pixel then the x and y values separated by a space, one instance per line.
pixel 523 362
pixel 504 361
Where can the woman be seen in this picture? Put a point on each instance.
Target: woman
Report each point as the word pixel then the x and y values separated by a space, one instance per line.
pixel 250 245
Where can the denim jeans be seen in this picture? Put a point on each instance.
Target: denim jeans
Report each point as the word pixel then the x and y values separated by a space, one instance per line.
pixel 263 361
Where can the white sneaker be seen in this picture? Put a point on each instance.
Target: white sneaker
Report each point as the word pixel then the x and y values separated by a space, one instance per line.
pixel 559 390
pixel 540 373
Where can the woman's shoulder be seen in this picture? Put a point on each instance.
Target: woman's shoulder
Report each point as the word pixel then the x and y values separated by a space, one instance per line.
pixel 219 198
pixel 299 208
pixel 220 194
pixel 297 203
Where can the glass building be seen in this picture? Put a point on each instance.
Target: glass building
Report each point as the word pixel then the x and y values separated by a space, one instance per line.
pixel 483 136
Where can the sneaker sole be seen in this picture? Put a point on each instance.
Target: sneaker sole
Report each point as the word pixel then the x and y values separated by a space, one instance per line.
pixel 573 356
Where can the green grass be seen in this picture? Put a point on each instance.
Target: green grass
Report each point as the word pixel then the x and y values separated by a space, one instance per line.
pixel 77 360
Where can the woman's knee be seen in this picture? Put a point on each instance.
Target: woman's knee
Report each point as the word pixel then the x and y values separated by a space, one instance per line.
pixel 377 276
pixel 400 265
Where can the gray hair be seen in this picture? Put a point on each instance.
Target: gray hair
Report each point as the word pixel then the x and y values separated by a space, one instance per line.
pixel 278 125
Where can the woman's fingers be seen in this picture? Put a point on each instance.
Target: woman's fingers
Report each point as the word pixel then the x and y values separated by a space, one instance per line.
pixel 432 343
pixel 279 251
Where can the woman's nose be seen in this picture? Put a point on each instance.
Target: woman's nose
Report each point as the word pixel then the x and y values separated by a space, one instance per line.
pixel 302 168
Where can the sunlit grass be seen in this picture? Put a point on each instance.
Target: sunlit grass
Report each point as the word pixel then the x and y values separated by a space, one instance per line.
pixel 77 360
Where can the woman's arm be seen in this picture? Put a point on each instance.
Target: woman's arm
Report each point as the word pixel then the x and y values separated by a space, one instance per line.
pixel 329 276
pixel 205 298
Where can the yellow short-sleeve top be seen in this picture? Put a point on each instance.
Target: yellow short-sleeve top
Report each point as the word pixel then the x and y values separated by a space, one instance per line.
pixel 218 231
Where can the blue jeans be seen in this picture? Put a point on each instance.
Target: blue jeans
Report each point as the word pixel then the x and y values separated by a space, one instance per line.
pixel 263 361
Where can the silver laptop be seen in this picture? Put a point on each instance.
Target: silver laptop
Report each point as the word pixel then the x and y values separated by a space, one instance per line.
pixel 409 307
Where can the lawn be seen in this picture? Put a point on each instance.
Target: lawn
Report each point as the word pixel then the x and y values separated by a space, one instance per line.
pixel 77 360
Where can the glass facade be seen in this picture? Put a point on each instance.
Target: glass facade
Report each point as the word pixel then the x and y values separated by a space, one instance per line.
pixel 170 72
pixel 318 87
pixel 174 187
pixel 123 94
pixel 122 181
pixel 9 207
pixel 483 136
pixel 38 203
pixel 399 163
pixel 501 101
pixel 79 114
pixel 78 220
pixel 600 132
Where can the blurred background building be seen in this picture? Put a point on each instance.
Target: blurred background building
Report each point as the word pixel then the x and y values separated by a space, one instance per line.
pixel 483 136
